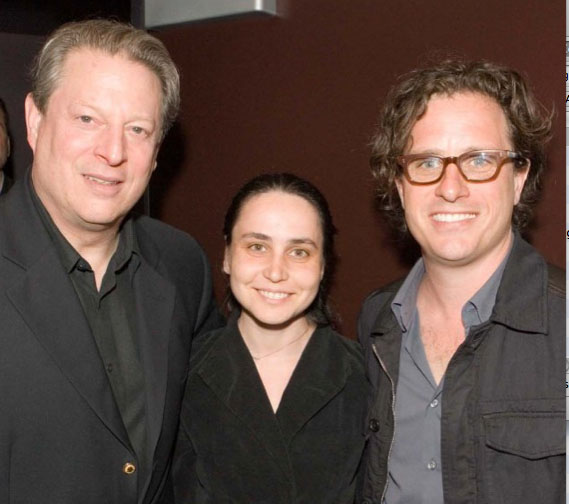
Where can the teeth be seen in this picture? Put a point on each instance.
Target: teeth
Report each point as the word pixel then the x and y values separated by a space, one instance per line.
pixel 273 295
pixel 454 217
pixel 101 181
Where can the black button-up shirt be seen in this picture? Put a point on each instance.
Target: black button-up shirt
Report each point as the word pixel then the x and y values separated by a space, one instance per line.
pixel 110 312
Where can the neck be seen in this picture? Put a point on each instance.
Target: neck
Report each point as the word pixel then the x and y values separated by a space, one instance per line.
pixel 96 247
pixel 451 286
pixel 263 339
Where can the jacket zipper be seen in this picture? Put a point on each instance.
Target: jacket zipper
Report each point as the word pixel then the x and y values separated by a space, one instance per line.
pixel 394 423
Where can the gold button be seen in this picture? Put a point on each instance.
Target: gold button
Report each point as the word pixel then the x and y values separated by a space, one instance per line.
pixel 128 468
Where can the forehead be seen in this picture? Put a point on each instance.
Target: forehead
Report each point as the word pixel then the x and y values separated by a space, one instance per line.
pixel 279 211
pixel 87 69
pixel 463 118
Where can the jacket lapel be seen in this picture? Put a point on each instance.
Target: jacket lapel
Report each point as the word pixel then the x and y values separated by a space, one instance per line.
pixel 154 307
pixel 229 371
pixel 46 300
pixel 320 374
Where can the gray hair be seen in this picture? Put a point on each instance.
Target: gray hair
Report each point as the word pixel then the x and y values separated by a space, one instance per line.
pixel 111 37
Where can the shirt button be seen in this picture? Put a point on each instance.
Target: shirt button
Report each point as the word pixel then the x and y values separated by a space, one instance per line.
pixel 432 465
pixel 82 266
pixel 434 403
pixel 373 425
pixel 110 367
pixel 128 468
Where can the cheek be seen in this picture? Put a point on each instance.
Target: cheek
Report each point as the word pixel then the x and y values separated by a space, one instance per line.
pixel 241 268
pixel 310 276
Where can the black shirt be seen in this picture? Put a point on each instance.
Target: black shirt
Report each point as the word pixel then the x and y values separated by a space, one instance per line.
pixel 110 313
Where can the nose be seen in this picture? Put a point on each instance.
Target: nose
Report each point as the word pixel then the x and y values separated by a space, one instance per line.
pixel 111 146
pixel 452 185
pixel 276 269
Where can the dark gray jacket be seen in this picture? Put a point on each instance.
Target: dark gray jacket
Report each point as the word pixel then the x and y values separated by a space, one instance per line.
pixel 503 409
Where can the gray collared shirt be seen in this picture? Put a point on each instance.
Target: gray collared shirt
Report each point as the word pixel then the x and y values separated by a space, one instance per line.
pixel 415 475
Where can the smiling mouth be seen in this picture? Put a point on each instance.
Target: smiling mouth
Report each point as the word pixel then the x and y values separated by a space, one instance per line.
pixel 273 295
pixel 101 181
pixel 453 217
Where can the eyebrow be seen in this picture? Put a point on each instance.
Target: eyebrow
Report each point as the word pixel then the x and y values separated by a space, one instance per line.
pixel 100 110
pixel 257 236
pixel 303 241
pixel 437 152
pixel 293 241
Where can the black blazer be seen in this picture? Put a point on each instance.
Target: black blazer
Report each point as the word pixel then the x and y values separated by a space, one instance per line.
pixel 62 440
pixel 232 448
pixel 6 184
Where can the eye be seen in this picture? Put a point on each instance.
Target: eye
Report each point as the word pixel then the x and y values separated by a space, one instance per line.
pixel 138 130
pixel 257 247
pixel 299 253
pixel 480 160
pixel 428 163
pixel 85 119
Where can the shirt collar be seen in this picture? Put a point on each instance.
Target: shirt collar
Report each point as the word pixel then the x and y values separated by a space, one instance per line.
pixel 126 249
pixel 475 311
pixel 405 301
pixel 479 307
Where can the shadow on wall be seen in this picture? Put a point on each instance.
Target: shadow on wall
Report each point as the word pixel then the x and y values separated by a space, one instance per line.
pixel 171 159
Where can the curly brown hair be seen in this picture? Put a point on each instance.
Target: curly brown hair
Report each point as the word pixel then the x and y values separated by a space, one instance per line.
pixel 529 123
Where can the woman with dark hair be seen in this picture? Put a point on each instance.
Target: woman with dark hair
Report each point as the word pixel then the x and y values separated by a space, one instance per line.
pixel 275 402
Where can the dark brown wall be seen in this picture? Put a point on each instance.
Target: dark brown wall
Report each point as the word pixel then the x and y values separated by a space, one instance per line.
pixel 301 93
pixel 16 54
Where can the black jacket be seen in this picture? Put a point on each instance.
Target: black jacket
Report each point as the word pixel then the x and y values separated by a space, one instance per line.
pixel 7 184
pixel 503 409
pixel 62 439
pixel 232 448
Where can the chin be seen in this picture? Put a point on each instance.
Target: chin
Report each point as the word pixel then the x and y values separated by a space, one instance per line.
pixel 454 254
pixel 274 320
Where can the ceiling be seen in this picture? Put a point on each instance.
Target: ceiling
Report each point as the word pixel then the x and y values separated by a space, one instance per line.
pixel 39 17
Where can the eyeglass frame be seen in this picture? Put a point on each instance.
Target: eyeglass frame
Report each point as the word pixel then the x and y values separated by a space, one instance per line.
pixel 506 155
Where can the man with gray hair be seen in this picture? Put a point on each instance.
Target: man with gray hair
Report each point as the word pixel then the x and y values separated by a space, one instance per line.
pixel 465 354
pixel 98 306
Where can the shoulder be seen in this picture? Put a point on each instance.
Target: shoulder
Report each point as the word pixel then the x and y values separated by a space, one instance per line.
pixel 163 236
pixel 162 243
pixel 556 281
pixel 380 296
pixel 378 300
pixel 202 349
pixel 347 350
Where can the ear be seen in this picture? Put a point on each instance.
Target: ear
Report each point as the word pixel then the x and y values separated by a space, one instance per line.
pixel 520 177
pixel 400 190
pixel 226 261
pixel 33 121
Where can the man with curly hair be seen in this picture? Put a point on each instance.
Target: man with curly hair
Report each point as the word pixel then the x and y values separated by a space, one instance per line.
pixel 465 355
